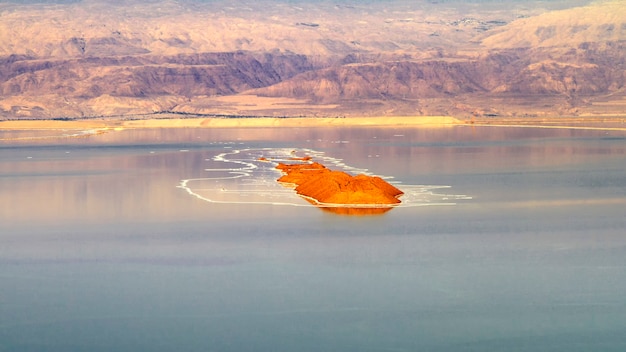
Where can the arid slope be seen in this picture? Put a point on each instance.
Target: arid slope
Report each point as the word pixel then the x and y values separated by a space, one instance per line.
pixel 104 58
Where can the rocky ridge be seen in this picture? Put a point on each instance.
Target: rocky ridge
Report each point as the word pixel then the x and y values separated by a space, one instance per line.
pixel 104 59
pixel 338 191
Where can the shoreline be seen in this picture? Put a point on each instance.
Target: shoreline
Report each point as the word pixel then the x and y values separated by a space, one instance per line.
pixel 103 125
pixel 225 122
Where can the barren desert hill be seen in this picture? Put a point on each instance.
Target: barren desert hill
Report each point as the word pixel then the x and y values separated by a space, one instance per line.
pixel 603 21
pixel 96 28
pixel 397 57
pixel 516 75
pixel 561 59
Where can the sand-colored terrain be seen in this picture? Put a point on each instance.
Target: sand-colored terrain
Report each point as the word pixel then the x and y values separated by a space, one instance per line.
pixel 201 122
pixel 571 27
pixel 97 126
pixel 108 58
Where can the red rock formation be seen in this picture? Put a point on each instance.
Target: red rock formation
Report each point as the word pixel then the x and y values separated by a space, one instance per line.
pixel 338 191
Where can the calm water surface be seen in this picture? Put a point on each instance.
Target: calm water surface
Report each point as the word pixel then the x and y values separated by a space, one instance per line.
pixel 100 250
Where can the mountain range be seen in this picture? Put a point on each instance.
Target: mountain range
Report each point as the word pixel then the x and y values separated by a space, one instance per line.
pixel 299 58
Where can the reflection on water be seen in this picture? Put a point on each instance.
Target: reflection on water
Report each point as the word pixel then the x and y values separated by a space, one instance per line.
pixel 48 134
pixel 102 250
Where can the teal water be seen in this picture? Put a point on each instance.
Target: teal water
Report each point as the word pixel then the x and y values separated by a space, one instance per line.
pixel 101 250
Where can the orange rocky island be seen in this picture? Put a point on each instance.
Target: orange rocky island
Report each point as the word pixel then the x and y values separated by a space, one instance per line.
pixel 337 191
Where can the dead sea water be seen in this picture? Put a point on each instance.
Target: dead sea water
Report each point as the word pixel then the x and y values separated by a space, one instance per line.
pixel 513 239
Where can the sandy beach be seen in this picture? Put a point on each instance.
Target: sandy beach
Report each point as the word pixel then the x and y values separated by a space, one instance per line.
pixel 104 125
pixel 218 122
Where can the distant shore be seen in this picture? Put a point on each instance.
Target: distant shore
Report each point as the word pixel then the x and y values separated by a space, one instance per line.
pixel 222 122
pixel 109 124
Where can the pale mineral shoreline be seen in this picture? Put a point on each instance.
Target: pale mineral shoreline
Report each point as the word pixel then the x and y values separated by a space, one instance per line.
pixel 222 122
pixel 103 125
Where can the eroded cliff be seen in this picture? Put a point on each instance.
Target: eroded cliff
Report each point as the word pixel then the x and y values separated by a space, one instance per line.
pixel 464 59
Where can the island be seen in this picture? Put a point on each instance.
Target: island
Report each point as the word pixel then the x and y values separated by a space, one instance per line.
pixel 338 191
